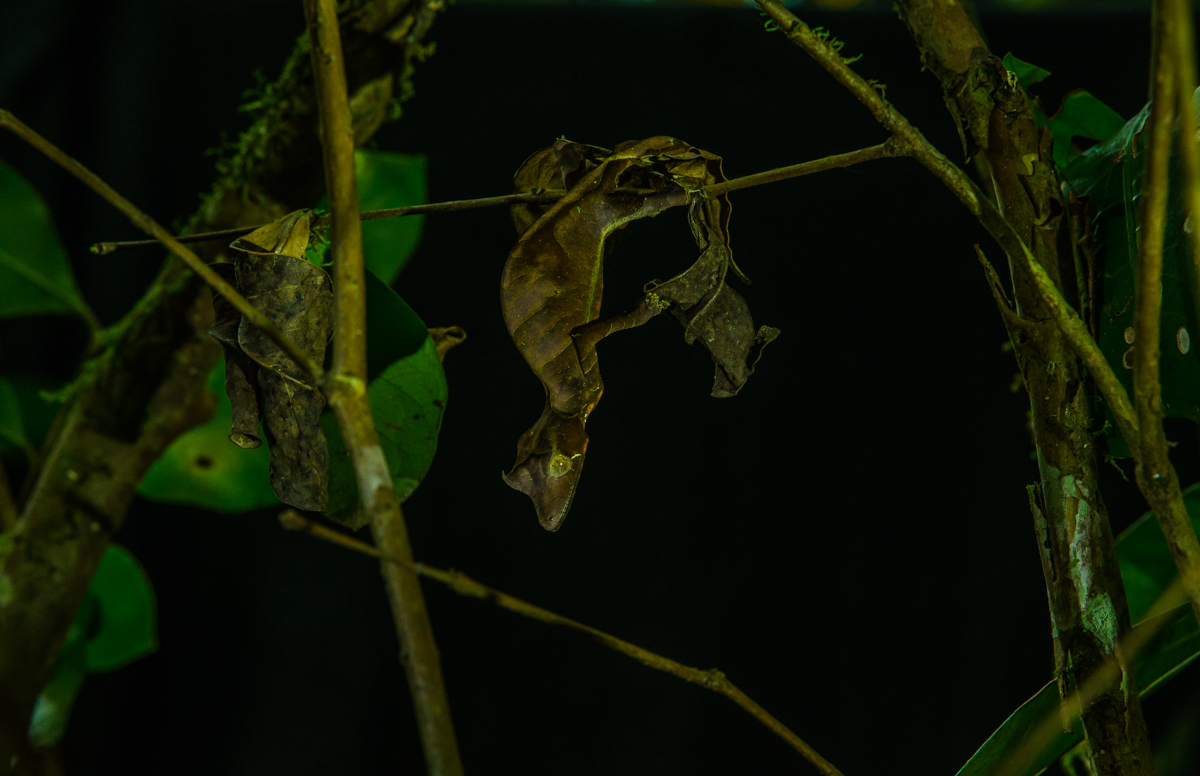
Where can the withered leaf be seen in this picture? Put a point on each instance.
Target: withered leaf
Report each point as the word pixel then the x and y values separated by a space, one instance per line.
pixel 241 372
pixel 553 281
pixel 297 297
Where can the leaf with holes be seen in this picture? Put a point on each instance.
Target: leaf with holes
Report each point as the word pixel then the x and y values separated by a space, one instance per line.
pixel 1110 175
pixel 35 274
pixel 201 468
pixel 408 395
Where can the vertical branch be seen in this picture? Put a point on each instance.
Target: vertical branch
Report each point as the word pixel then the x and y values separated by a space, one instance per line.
pixel 346 385
pixel 1155 474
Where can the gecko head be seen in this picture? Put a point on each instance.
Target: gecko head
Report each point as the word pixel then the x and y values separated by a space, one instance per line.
pixel 549 460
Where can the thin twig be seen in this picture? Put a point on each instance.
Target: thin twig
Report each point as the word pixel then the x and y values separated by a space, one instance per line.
pixel 881 151
pixel 463 585
pixel 1155 474
pixel 347 391
pixel 151 227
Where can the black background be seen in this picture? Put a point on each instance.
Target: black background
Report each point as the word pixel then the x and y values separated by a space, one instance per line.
pixel 848 539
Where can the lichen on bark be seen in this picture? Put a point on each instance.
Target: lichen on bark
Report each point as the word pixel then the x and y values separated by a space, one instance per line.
pixel 1087 598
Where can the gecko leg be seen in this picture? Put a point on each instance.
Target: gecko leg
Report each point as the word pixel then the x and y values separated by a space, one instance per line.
pixel 587 335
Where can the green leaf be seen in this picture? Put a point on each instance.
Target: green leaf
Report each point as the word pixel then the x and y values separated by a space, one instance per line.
pixel 408 396
pixel 115 625
pixel 127 625
pixel 387 180
pixel 52 711
pixel 1081 115
pixel 1110 174
pixel 1026 74
pixel 35 275
pixel 204 469
pixel 1147 569
pixel 12 428
pixel 35 414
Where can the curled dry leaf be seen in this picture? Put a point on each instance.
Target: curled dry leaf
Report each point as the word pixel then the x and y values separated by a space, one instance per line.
pixel 446 337
pixel 298 298
pixel 553 281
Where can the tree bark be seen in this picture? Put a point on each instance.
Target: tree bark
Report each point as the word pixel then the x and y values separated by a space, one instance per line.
pixel 148 386
pixel 1088 610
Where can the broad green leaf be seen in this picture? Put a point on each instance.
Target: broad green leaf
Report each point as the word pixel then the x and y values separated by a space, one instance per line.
pixel 115 625
pixel 1110 174
pixel 1026 74
pixel 1146 563
pixel 385 180
pixel 127 626
pixel 1172 648
pixel 52 711
pixel 1081 115
pixel 204 469
pixel 408 396
pixel 1147 570
pixel 12 428
pixel 35 275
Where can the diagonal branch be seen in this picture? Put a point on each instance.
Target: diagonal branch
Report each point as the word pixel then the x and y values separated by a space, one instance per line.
pixel 347 391
pixel 151 227
pixel 910 142
pixel 460 583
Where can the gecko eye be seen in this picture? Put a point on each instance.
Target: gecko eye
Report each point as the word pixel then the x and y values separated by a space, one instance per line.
pixel 559 465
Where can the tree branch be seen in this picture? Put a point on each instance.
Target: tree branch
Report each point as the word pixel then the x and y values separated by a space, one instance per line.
pixel 151 227
pixel 1155 475
pixel 460 583
pixel 1049 338
pixel 147 385
pixel 347 391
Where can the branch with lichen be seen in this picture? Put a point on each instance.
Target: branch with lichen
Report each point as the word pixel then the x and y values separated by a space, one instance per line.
pixel 135 396
pixel 346 388
pixel 1050 340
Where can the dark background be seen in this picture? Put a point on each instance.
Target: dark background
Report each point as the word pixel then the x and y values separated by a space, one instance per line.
pixel 848 539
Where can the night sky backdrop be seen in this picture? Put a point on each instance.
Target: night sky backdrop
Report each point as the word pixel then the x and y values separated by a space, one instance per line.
pixel 849 539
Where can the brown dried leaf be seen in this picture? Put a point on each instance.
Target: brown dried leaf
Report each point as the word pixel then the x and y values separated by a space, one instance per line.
pixel 241 372
pixel 447 337
pixel 297 297
pixel 288 236
pixel 553 280
pixel 299 452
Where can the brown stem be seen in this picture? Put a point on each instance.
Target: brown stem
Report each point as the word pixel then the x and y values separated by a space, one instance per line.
pixel 463 585
pixel 883 150
pixel 151 227
pixel 347 391
pixel 1155 475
